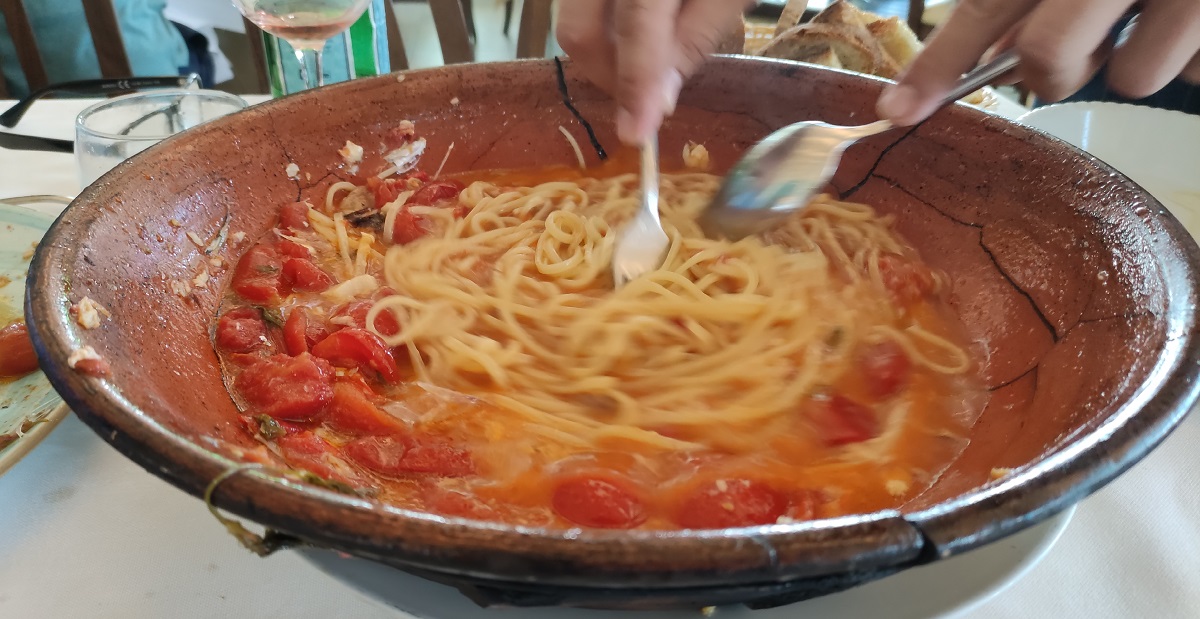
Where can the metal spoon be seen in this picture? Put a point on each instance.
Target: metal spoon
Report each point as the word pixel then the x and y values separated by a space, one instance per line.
pixel 642 243
pixel 780 174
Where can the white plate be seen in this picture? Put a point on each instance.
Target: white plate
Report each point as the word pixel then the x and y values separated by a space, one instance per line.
pixel 29 408
pixel 940 590
pixel 1157 149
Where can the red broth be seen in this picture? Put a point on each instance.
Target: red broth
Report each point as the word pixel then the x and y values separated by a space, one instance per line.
pixel 327 396
pixel 17 357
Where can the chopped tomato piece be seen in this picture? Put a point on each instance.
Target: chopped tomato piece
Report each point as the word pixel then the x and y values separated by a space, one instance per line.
pixel 258 277
pixel 353 412
pixel 355 314
pixel 295 332
pixel 294 216
pixel 886 368
pixel 314 454
pixel 385 190
pixel 381 454
pixel 302 275
pixel 301 332
pixel 408 227
pixel 241 330
pixel 307 443
pixel 293 249
pixel 17 357
pixel 907 280
pixel 242 359
pixel 94 367
pixel 840 421
pixel 453 503
pixel 290 388
pixel 728 503
pixel 394 456
pixel 357 348
pixel 593 501
pixel 805 504
pixel 438 458
pixel 436 192
pixel 399 135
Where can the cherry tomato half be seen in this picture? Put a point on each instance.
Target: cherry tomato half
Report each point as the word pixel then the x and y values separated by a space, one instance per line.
pixel 725 503
pixel 17 357
pixel 258 277
pixel 290 388
pixel 838 420
pixel 241 330
pixel 886 369
pixel 357 348
pixel 600 502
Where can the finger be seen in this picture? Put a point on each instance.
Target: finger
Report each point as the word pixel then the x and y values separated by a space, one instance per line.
pixel 645 53
pixel 1004 44
pixel 956 46
pixel 1191 73
pixel 702 26
pixel 584 31
pixel 1161 44
pixel 1064 43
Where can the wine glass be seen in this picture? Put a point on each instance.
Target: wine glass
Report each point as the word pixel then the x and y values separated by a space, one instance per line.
pixel 306 24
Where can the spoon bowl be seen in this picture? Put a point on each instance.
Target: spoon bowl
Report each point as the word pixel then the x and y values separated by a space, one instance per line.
pixel 782 173
pixel 779 175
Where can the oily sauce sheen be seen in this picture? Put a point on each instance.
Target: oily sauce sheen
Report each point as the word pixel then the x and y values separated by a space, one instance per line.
pixel 323 393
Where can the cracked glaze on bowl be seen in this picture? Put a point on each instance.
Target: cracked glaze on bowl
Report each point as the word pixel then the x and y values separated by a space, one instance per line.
pixel 1079 285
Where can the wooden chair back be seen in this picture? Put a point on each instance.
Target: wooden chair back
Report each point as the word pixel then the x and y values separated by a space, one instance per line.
pixel 106 38
pixel 534 33
pixel 916 18
pixel 454 30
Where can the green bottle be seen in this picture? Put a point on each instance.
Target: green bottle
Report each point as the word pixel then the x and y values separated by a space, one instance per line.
pixel 360 51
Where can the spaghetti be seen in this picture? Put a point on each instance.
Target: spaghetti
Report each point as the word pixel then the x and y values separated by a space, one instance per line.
pixel 457 346
pixel 514 303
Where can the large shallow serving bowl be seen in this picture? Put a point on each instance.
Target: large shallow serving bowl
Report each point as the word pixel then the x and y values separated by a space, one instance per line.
pixel 1080 287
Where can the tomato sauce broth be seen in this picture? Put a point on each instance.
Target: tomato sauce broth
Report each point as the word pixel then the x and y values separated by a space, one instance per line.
pixel 17 357
pixel 327 396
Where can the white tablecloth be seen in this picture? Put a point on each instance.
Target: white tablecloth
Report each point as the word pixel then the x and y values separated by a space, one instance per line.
pixel 86 533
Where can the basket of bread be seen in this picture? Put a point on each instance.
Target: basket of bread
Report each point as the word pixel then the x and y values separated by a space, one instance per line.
pixel 845 37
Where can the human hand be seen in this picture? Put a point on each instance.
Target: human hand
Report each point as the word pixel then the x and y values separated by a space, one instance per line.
pixel 640 51
pixel 1061 43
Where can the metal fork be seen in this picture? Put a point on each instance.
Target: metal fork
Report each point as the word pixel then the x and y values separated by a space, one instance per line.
pixel 642 243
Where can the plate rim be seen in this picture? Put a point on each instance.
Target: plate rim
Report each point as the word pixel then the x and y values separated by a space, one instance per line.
pixel 25 443
pixel 18 449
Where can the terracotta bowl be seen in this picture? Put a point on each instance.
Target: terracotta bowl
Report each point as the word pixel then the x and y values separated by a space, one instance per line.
pixel 1081 287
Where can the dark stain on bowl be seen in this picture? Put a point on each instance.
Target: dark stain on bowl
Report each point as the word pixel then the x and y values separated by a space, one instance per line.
pixel 1080 289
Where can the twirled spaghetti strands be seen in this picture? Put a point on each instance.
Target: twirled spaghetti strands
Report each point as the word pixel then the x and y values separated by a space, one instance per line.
pixel 514 303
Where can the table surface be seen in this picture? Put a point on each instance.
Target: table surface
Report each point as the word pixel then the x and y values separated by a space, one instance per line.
pixel 89 534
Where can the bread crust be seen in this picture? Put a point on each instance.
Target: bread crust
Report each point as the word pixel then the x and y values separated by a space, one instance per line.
pixel 855 52
pixel 790 16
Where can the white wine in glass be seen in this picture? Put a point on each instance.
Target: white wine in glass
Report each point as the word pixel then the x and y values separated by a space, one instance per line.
pixel 305 24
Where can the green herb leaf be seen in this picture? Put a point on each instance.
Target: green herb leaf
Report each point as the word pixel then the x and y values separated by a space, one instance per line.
pixel 329 484
pixel 270 429
pixel 272 316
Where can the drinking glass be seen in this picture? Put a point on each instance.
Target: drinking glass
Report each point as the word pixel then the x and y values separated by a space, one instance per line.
pixel 116 129
pixel 306 25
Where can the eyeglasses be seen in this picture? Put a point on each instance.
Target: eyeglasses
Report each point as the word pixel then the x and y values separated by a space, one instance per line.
pixel 92 88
